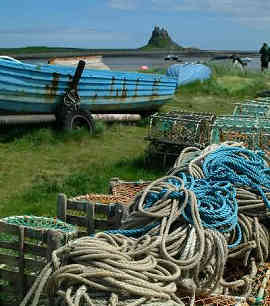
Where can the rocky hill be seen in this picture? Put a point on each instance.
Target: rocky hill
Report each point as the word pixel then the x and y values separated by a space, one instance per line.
pixel 160 39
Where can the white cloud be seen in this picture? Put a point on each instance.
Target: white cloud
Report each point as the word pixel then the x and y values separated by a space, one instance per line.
pixel 254 13
pixel 250 13
pixel 245 9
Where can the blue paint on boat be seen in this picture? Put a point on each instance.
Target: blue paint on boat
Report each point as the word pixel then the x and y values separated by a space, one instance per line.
pixel 39 88
pixel 189 72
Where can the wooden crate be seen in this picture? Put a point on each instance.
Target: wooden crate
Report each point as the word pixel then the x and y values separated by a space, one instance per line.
pixel 24 251
pixel 91 212
pixel 126 190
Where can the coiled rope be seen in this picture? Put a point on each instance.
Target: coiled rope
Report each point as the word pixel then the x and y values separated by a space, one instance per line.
pixel 185 227
pixel 213 180
pixel 108 264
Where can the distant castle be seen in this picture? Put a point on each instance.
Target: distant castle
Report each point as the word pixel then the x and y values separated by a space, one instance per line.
pixel 161 39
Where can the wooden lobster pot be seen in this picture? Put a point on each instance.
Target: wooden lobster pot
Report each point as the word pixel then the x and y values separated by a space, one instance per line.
pixel 91 212
pixel 24 251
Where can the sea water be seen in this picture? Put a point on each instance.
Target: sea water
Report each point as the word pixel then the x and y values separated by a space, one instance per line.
pixel 133 63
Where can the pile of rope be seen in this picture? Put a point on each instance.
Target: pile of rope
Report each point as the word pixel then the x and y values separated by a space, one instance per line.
pixel 209 212
pixel 184 232
pixel 113 265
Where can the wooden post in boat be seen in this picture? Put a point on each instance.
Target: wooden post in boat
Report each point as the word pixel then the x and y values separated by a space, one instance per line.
pixel 77 75
pixel 68 114
pixel 72 99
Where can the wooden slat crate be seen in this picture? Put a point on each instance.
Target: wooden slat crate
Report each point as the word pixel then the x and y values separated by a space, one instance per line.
pixel 126 190
pixel 24 251
pixel 91 212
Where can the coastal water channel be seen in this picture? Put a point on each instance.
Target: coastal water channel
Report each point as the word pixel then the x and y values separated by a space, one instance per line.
pixel 133 63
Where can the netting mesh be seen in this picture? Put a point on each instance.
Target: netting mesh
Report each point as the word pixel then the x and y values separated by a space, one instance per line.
pixel 253 132
pixel 252 109
pixel 43 223
pixel 181 128
pixel 126 191
pixel 214 300
pixel 123 192
pixel 97 198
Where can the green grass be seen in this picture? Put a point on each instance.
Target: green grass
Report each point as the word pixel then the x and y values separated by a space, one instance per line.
pixel 37 163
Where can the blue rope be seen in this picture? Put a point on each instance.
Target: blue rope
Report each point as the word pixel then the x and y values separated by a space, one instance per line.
pixel 138 232
pixel 226 164
pixel 225 169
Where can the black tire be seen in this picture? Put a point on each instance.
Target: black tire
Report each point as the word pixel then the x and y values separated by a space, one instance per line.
pixel 147 114
pixel 79 119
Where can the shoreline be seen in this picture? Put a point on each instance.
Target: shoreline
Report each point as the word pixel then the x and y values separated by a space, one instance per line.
pixel 127 53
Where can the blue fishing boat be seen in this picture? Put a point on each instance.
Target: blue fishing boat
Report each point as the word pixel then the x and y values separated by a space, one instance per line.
pixel 28 88
pixel 187 73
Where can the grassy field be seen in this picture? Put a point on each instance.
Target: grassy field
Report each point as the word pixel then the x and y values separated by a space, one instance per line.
pixel 38 163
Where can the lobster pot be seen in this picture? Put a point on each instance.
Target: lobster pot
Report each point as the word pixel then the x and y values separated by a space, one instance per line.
pixel 252 109
pixel 181 128
pixel 259 293
pixel 126 191
pixel 26 245
pixel 163 153
pixel 253 132
pixel 91 212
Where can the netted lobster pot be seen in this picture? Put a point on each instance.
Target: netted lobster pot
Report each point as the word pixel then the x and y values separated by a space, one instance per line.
pixel 26 245
pixel 181 128
pixel 126 190
pixel 252 109
pixel 259 293
pixel 253 132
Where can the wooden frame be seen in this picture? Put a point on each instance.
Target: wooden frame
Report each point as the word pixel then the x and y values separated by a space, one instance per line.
pixel 89 222
pixel 28 250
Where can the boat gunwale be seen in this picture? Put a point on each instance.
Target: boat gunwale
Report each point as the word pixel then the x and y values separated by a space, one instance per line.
pixel 104 74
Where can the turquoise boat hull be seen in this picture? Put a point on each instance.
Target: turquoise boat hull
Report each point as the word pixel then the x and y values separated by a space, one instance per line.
pixel 27 88
pixel 189 72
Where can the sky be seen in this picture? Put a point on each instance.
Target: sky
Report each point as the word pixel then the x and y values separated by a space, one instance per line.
pixel 204 24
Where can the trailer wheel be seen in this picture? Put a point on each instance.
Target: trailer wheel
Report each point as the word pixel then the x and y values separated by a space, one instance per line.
pixel 74 120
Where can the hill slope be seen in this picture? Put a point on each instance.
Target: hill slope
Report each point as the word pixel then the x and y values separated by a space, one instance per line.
pixel 160 39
